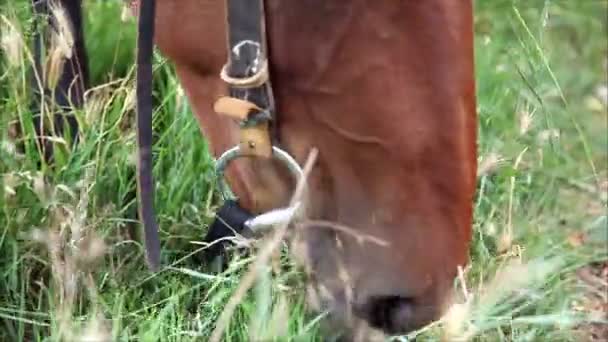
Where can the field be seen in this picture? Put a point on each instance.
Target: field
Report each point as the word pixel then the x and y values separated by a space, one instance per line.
pixel 72 265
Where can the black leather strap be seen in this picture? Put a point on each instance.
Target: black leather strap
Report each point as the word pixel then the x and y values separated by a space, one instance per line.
pixel 145 181
pixel 247 52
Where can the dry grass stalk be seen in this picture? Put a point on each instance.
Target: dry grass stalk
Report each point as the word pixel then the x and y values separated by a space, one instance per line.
pixel 11 42
pixel 63 34
pixel 262 258
pixel 525 121
pixel 54 66
pixel 95 331
pixel 100 98
pixel 489 164
pixel 73 250
pixel 278 324
pixel 506 239
pixel 464 321
pixel 456 319
pixel 130 98
pixel 547 135
pixel 361 238
pixel 61 45
pixel 23 51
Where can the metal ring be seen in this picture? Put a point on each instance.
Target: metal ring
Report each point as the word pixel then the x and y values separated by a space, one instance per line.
pixel 235 152
pixel 254 81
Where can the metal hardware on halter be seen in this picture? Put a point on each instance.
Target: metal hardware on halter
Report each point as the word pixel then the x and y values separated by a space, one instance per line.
pixel 250 102
pixel 235 152
pixel 272 218
pixel 250 99
pixel 257 80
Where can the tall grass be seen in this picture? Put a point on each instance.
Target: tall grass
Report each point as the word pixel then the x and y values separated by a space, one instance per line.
pixel 71 262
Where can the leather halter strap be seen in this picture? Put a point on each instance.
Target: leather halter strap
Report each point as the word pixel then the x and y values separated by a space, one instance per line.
pixel 249 100
pixel 250 97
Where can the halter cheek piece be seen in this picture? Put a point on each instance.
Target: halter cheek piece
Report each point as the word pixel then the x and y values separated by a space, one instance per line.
pixel 249 101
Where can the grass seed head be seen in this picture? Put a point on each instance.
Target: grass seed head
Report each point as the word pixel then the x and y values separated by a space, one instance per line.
pixel 11 42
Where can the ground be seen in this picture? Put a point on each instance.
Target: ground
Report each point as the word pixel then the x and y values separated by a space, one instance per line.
pixel 72 264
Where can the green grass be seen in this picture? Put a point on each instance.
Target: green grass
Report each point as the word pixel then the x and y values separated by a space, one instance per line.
pixel 543 61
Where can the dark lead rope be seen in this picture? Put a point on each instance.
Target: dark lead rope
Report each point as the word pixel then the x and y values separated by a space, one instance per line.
pixel 145 182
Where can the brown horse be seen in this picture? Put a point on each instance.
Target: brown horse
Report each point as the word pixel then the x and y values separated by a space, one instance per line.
pixel 385 91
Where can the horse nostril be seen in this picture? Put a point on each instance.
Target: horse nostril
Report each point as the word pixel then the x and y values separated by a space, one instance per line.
pixel 389 313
